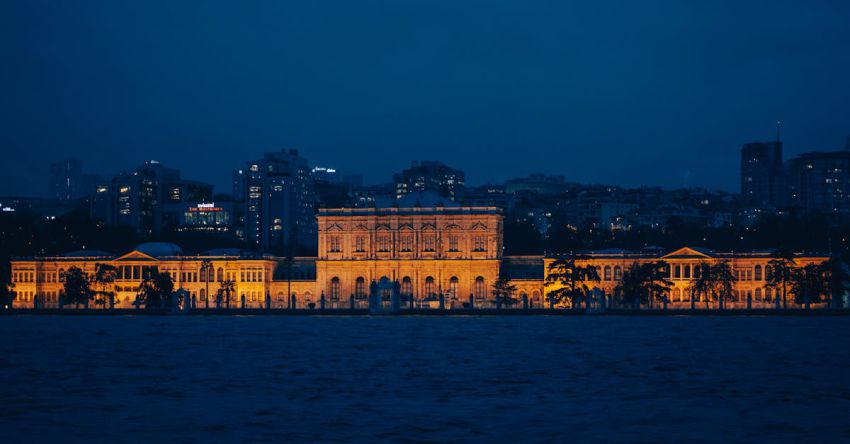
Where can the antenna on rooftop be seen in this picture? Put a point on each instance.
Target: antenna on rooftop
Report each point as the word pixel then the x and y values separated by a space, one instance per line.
pixel 778 130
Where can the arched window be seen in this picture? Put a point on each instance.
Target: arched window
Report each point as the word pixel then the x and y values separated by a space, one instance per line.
pixel 677 272
pixel 478 289
pixel 758 294
pixel 757 272
pixel 607 273
pixel 430 289
pixel 535 298
pixel 220 275
pixel 677 295
pixel 203 295
pixel 453 287
pixel 360 287
pixel 406 286
pixel 767 293
pixel 618 273
pixel 334 290
pixel 768 272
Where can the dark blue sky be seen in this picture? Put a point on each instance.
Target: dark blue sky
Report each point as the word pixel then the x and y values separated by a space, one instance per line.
pixel 650 92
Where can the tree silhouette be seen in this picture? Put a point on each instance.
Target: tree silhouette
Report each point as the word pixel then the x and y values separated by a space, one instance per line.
pixel 702 284
pixel 809 284
pixel 226 288
pixel 631 290
pixel 7 294
pixel 723 281
pixel 206 268
pixel 567 282
pixel 104 278
pixel 76 287
pixel 503 292
pixel 780 275
pixel 156 290
pixel 838 280
pixel 656 281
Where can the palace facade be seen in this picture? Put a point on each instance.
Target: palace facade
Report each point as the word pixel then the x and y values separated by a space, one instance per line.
pixel 750 268
pixel 420 248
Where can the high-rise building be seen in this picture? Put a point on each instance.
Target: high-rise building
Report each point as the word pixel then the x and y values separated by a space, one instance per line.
pixel 280 203
pixel 819 181
pixel 137 198
pixel 762 174
pixel 68 182
pixel 430 176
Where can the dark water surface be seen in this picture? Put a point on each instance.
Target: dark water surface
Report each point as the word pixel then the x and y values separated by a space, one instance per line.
pixel 425 379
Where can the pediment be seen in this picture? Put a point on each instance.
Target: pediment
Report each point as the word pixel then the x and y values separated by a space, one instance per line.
pixel 382 227
pixel 453 227
pixel 688 253
pixel 361 227
pixel 429 226
pixel 405 227
pixel 335 227
pixel 136 255
pixel 479 226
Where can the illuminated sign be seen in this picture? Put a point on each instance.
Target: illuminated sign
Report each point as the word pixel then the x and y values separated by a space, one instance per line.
pixel 206 208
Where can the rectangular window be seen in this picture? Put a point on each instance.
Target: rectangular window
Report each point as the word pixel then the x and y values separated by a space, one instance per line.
pixel 453 243
pixel 383 243
pixel 360 244
pixel 406 243
pixel 479 243
pixel 429 243
pixel 335 244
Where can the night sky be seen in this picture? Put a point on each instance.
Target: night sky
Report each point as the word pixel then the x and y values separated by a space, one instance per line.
pixel 630 93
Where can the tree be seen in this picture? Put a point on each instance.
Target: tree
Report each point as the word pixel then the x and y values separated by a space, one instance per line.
pixel 643 283
pixel 7 295
pixel 837 282
pixel 568 282
pixel 206 267
pixel 656 282
pixel 156 290
pixel 701 284
pixel 104 278
pixel 809 284
pixel 225 289
pixel 723 281
pixel 631 290
pixel 503 292
pixel 780 274
pixel 76 287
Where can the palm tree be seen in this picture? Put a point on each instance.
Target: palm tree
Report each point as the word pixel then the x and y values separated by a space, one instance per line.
pixel 567 281
pixel 702 283
pixel 656 281
pixel 723 280
pixel 226 288
pixel 809 284
pixel 104 277
pixel 781 274
pixel 206 267
pixel 503 292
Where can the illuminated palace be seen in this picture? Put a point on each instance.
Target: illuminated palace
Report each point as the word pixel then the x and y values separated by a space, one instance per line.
pixel 421 247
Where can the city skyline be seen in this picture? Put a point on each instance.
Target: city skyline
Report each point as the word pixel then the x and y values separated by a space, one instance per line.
pixel 645 96
pixel 222 183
